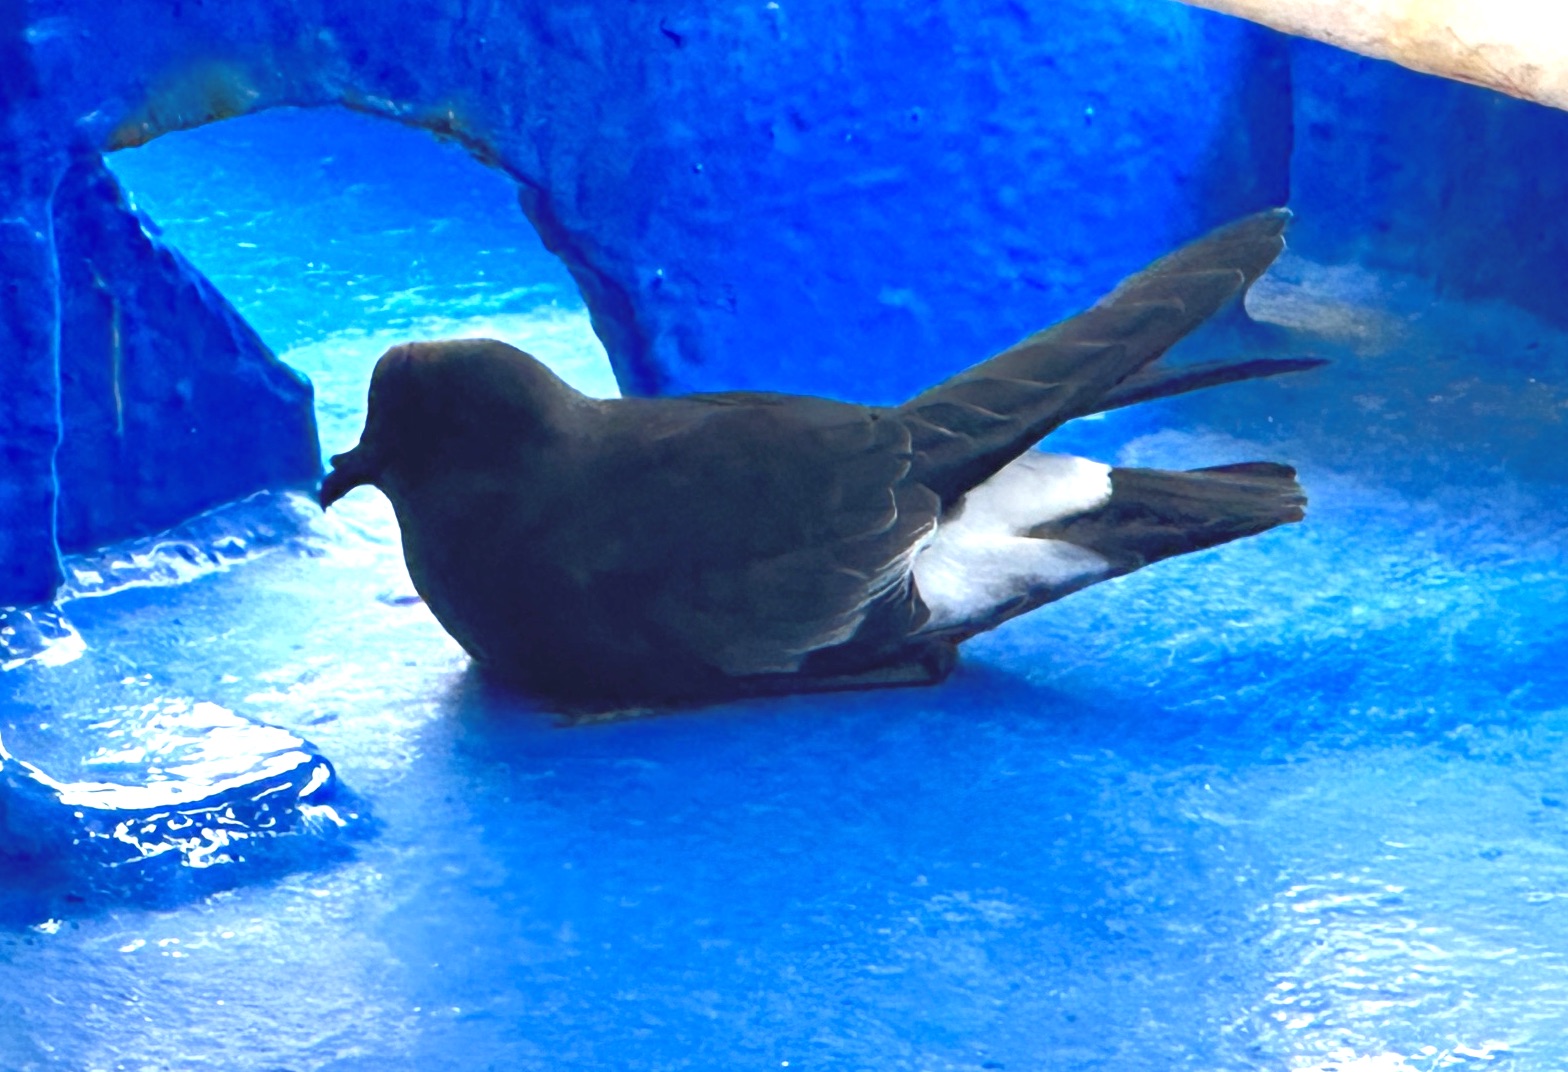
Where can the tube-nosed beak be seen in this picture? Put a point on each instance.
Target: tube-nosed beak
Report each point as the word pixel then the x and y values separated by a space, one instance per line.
pixel 349 471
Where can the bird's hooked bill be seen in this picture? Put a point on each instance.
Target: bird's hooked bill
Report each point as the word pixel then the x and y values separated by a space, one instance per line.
pixel 349 471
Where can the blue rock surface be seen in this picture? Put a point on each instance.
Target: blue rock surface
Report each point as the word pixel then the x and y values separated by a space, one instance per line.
pixel 1451 182
pixel 135 397
pixel 1291 803
pixel 115 787
pixel 30 159
pixel 169 403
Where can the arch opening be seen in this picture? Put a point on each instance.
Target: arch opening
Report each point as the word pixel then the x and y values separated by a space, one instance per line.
pixel 336 234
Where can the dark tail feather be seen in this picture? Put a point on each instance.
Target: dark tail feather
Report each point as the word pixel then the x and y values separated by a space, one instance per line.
pixel 1160 382
pixel 1154 513
pixel 967 427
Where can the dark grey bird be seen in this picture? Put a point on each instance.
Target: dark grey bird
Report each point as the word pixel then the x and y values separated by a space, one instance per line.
pixel 652 551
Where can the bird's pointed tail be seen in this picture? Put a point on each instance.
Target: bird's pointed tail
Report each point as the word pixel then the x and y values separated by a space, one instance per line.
pixel 1155 513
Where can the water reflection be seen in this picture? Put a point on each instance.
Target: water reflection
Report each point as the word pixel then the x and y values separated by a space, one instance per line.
pixel 189 779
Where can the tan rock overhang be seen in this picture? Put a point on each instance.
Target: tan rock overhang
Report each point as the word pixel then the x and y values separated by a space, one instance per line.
pixel 1518 47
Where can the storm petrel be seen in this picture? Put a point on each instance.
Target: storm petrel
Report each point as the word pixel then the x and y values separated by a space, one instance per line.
pixel 650 551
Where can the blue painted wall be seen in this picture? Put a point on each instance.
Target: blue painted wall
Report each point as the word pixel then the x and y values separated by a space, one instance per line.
pixel 1444 180
pixel 860 198
pixel 169 403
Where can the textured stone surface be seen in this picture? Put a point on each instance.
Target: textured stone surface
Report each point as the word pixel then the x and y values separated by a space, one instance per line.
pixel 1519 47
pixel 134 396
pixel 29 421
pixel 812 194
pixel 170 404
pixel 1443 180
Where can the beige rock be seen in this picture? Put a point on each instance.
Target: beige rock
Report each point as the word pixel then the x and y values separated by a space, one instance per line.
pixel 1519 47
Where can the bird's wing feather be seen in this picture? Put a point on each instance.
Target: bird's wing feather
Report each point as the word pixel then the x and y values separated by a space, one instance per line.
pixel 803 528
pixel 1149 384
pixel 969 426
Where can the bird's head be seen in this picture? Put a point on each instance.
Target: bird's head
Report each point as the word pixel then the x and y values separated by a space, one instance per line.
pixel 435 406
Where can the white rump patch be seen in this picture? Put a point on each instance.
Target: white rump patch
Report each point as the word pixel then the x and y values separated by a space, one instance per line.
pixel 1030 491
pixel 978 560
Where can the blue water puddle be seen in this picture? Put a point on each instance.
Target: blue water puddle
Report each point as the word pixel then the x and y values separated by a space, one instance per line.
pixel 188 779
pixel 1295 803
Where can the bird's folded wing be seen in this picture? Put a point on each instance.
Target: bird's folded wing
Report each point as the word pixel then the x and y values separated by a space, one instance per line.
pixel 971 425
pixel 1161 382
pixel 774 586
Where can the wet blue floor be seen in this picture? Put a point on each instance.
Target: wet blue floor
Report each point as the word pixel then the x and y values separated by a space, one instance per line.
pixel 1297 803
